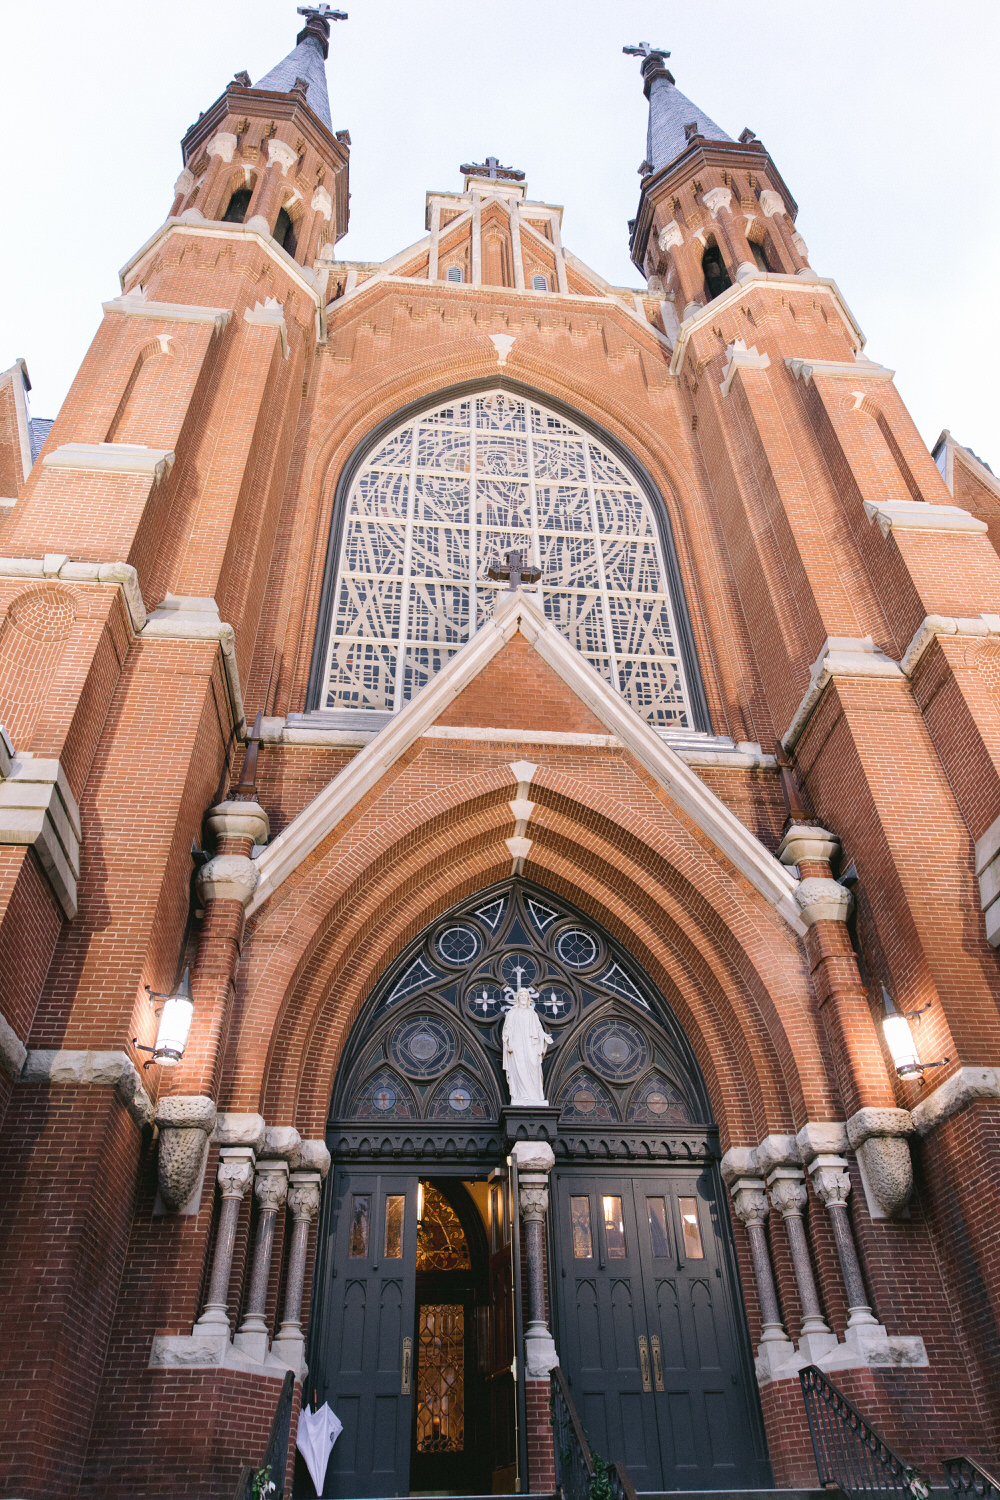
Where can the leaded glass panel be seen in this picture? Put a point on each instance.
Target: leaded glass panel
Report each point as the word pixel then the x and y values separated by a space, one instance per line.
pixel 452 491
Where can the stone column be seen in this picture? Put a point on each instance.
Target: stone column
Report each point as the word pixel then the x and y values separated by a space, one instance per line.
pixel 270 1187
pixel 832 1185
pixel 265 205
pixel 535 1160
pixel 235 1175
pixel 303 1205
pixel 788 1195
pixel 750 1206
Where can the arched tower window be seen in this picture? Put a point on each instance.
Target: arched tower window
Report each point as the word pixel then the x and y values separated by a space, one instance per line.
pixel 717 278
pixel 236 212
pixel 455 488
pixel 284 231
pixel 760 256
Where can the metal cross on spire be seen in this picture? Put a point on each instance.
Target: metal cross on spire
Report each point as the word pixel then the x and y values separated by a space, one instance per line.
pixel 645 51
pixel 492 169
pixel 322 12
pixel 517 571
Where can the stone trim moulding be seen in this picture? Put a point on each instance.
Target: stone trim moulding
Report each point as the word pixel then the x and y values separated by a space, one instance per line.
pixel 187 618
pixel 72 1068
pixel 918 515
pixel 840 656
pixel 134 304
pixel 520 613
pixel 13 1052
pixel 58 565
pixel 269 314
pixel 112 458
pixel 834 369
pixel 37 808
pixel 739 357
pixel 956 1093
pixel 824 285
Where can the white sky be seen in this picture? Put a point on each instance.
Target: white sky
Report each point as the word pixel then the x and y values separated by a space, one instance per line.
pixel 876 112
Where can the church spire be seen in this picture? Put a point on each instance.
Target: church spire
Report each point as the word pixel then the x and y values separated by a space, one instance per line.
pixel 307 60
pixel 673 120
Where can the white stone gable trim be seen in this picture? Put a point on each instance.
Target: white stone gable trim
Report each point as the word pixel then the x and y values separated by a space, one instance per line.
pixel 519 612
pixel 187 618
pixel 170 312
pixel 208 229
pixel 112 458
pixel 823 286
pixel 37 808
pixel 916 515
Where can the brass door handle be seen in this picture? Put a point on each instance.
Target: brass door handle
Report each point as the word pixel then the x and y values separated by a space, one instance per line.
pixel 647 1384
pixel 657 1361
pixel 404 1385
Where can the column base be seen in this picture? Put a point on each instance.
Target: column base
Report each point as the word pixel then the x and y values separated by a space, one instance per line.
pixel 251 1339
pixel 868 1346
pixel 540 1355
pixel 204 1350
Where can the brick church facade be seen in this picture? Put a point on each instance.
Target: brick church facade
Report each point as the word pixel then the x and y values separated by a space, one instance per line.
pixel 380 642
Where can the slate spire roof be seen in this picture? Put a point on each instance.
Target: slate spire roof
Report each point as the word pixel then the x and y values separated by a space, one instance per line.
pixel 306 60
pixel 670 111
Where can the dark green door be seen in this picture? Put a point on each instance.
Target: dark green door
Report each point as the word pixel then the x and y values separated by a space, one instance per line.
pixel 648 1332
pixel 369 1353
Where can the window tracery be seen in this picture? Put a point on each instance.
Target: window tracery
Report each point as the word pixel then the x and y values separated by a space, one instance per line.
pixel 453 490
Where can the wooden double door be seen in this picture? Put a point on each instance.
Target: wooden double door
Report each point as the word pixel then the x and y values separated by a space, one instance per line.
pixel 651 1331
pixel 415 1336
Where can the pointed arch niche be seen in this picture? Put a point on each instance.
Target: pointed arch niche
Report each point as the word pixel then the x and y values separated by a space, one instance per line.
pixel 449 485
pixel 422 1071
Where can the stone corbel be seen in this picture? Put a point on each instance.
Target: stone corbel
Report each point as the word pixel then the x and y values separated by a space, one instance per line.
pixel 322 203
pixel 716 199
pixel 222 144
pixel 227 877
pixel 879 1139
pixel 282 153
pixel 185 1123
pixel 771 203
pixel 671 236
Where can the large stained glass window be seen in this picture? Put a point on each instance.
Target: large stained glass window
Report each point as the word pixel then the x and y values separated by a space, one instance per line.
pixel 453 491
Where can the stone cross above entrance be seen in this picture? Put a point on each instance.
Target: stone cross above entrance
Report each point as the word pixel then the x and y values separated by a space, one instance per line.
pixel 516 570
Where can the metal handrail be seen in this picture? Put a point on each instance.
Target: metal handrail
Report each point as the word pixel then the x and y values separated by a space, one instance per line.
pixel 577 1466
pixel 848 1450
pixel 276 1452
pixel 966 1478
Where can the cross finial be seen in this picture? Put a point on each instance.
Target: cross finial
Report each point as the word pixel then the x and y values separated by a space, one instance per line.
pixel 645 51
pixel 492 169
pixel 322 12
pixel 517 571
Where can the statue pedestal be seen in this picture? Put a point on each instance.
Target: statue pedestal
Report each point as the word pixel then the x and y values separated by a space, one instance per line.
pixel 529 1123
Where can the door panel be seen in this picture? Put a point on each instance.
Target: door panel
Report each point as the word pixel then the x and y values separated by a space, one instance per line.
pixel 371 1305
pixel 647 1328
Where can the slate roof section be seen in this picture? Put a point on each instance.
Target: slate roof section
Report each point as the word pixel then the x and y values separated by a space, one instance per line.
pixel 38 431
pixel 306 61
pixel 669 112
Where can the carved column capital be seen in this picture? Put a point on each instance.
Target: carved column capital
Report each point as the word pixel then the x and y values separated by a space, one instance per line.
pixel 830 1180
pixel 787 1192
pixel 271 1185
pixel 235 1171
pixel 749 1200
pixel 534 1199
pixel 303 1196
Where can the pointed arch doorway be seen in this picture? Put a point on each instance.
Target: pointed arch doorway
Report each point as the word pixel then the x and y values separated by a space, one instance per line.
pixel 415 1328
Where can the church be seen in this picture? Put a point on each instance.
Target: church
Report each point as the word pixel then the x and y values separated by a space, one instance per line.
pixel 499 852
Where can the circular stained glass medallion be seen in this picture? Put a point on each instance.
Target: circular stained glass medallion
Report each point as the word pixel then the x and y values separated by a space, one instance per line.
pixel 423 1047
pixel 616 1050
pixel 484 1000
pixel 556 1003
pixel 513 964
pixel 459 1099
pixel 577 949
pixel 458 945
pixel 384 1098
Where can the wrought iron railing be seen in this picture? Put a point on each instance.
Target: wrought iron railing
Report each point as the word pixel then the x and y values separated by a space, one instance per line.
pixel 579 1472
pixel 966 1478
pixel 276 1453
pixel 849 1452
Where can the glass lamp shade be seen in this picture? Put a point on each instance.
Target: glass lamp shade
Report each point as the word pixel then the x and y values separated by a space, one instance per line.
pixel 175 1023
pixel 899 1038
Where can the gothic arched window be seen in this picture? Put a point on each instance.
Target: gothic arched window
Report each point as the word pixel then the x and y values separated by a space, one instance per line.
pixel 451 491
pixel 236 211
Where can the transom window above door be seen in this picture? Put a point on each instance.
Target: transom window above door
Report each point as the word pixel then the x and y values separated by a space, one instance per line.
pixel 450 493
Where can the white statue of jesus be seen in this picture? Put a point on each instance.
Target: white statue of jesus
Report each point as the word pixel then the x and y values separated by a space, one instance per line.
pixel 524 1044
